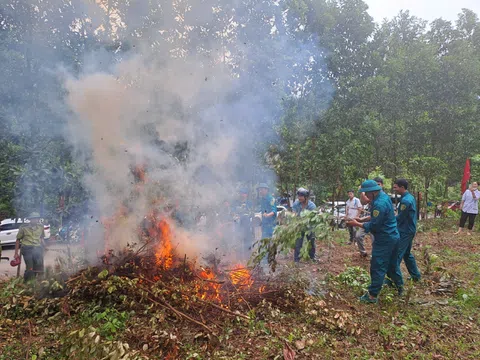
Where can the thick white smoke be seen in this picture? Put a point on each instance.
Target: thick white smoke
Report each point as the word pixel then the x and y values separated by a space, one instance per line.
pixel 193 121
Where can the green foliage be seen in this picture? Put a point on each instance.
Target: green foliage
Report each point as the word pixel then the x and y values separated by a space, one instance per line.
pixel 356 278
pixel 86 343
pixel 285 236
pixel 407 108
pixel 108 321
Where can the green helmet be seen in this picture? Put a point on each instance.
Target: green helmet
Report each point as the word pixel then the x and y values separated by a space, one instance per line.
pixel 34 215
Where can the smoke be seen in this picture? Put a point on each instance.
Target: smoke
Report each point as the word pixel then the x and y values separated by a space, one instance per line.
pixel 191 92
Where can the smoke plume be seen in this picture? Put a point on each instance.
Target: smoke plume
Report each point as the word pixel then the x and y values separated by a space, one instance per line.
pixel 186 94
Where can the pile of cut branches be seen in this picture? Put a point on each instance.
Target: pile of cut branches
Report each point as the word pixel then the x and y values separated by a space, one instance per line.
pixel 150 303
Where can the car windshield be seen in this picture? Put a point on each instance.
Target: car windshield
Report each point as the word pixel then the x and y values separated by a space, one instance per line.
pixel 12 226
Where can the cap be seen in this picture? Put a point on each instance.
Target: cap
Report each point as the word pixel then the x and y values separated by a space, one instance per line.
pixel 34 215
pixel 369 186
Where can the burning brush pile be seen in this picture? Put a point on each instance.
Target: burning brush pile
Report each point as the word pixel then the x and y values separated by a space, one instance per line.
pixel 156 298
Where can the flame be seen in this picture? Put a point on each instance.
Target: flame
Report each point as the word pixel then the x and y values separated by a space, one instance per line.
pixel 241 276
pixel 210 289
pixel 164 252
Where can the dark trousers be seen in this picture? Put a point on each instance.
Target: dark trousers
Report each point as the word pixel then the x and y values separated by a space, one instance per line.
pixel 299 245
pixel 384 260
pixel 471 220
pixel 351 231
pixel 33 257
pixel 405 254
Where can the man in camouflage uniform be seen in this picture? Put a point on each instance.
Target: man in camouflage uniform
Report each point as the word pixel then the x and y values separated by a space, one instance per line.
pixel 30 236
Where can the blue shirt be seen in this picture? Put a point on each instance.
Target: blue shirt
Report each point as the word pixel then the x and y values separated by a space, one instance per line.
pixel 383 224
pixel 407 215
pixel 297 206
pixel 268 205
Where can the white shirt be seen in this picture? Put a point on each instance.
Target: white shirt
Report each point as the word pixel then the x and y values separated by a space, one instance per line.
pixel 470 205
pixel 352 207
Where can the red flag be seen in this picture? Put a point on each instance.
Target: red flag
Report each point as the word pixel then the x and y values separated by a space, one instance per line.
pixel 466 175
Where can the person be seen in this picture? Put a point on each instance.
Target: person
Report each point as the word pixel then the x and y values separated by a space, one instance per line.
pixel 285 201
pixel 268 209
pixel 353 208
pixel 301 204
pixel 242 210
pixel 407 227
pixel 379 181
pixel 385 247
pixel 225 224
pixel 360 234
pixel 469 207
pixel 31 239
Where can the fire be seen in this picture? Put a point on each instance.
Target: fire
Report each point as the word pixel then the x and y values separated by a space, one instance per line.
pixel 162 233
pixel 211 288
pixel 241 276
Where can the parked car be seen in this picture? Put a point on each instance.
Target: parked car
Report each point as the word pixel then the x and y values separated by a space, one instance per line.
pixel 338 214
pixel 9 230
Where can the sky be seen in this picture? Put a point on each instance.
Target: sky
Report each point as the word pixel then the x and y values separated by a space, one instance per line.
pixel 425 9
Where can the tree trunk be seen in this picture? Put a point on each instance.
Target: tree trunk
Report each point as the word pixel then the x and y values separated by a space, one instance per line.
pixel 297 166
pixel 312 165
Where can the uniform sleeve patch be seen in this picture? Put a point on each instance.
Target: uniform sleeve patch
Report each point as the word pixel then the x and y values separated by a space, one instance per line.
pixel 376 213
pixel 272 202
pixel 403 207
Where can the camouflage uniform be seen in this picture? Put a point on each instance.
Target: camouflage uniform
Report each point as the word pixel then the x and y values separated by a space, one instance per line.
pixel 30 237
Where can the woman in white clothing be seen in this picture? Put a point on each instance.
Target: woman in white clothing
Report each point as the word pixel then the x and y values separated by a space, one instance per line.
pixel 469 207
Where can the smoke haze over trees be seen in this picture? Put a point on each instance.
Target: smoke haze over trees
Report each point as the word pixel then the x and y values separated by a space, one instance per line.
pixel 314 90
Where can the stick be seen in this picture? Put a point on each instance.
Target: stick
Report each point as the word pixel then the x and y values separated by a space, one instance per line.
pixel 210 281
pixel 223 309
pixel 208 303
pixel 181 314
pixel 239 269
pixel 239 294
pixel 178 312
pixel 73 279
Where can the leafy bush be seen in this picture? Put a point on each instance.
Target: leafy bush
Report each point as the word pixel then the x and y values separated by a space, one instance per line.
pixel 109 321
pixel 356 278
pixel 285 236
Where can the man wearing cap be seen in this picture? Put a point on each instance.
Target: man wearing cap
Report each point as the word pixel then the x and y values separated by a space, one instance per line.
pixel 407 227
pixel 301 204
pixel 268 209
pixel 383 225
pixel 30 236
pixel 242 210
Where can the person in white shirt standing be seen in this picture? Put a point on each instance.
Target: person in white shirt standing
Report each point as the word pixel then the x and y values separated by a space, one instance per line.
pixel 469 207
pixel 353 207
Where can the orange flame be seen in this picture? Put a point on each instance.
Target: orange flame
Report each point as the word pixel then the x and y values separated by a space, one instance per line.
pixel 161 231
pixel 241 276
pixel 209 290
